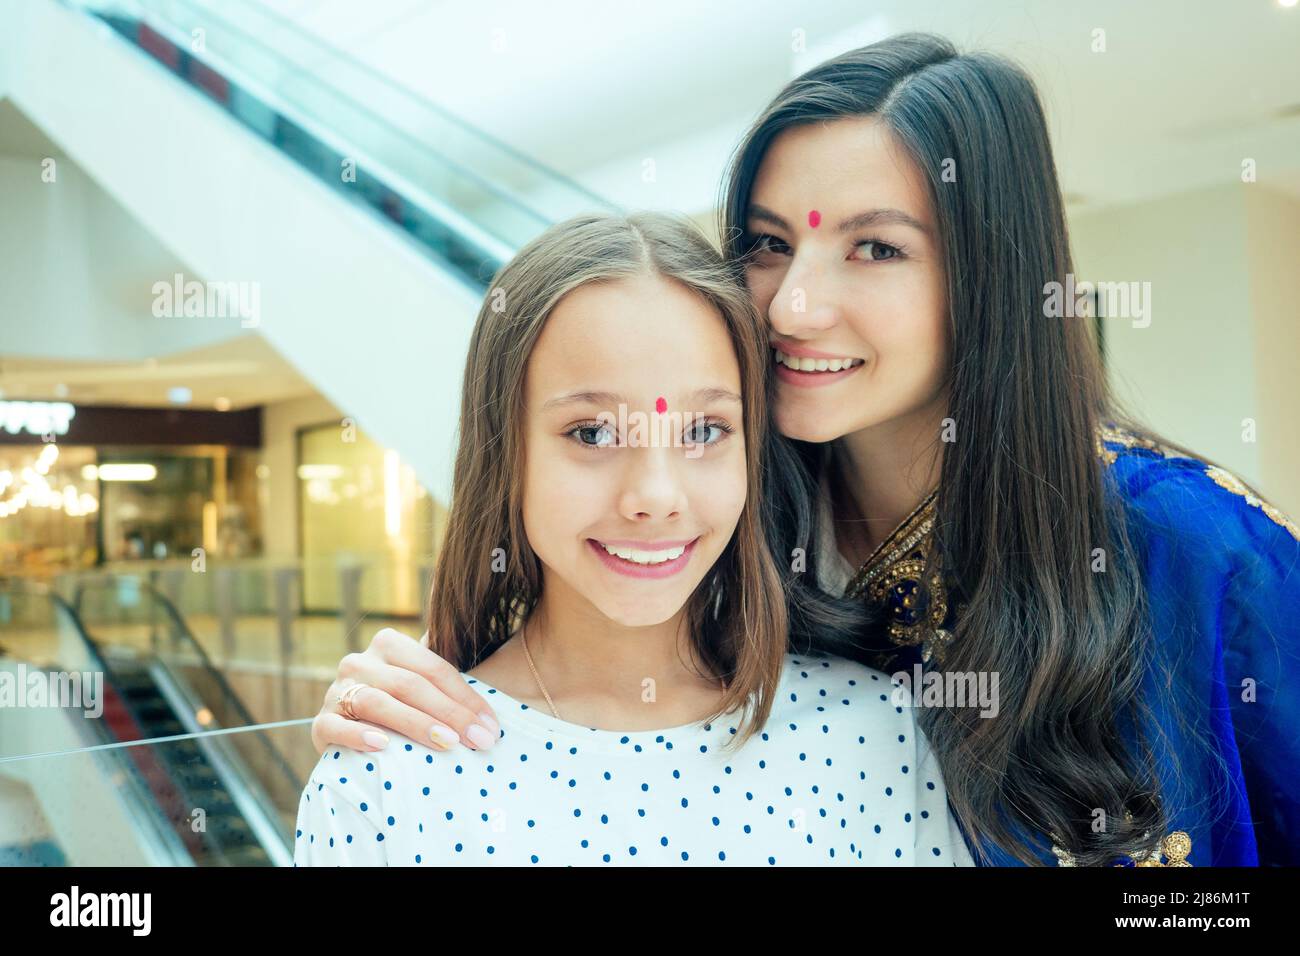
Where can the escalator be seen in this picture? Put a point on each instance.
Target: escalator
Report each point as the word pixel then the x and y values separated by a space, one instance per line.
pixel 198 795
pixel 255 154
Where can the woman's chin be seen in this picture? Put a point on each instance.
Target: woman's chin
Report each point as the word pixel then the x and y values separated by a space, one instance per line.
pixel 809 428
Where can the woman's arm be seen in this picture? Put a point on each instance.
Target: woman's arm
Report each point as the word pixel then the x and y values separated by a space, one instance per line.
pixel 1261 663
pixel 412 691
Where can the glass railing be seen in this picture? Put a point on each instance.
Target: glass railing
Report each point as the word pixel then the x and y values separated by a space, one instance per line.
pixel 467 198
pixel 297 614
pixel 163 802
pixel 125 699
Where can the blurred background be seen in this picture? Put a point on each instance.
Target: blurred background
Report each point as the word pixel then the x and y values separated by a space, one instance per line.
pixel 242 245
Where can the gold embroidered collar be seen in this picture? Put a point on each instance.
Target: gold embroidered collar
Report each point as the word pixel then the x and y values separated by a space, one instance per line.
pixel 891 576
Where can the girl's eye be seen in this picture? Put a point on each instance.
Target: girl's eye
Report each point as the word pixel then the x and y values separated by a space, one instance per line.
pixel 765 242
pixel 698 433
pixel 596 429
pixel 879 251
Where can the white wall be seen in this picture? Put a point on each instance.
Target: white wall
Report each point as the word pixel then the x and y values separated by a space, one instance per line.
pixel 1272 241
pixel 76 273
pixel 1222 339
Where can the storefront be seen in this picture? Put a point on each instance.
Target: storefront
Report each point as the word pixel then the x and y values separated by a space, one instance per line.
pixel 82 486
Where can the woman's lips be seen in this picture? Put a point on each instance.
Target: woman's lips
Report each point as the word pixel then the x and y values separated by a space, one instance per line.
pixel 631 569
pixel 785 354
pixel 813 379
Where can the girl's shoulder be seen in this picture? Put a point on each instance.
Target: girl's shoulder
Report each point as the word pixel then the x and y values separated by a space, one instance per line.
pixel 372 781
pixel 826 686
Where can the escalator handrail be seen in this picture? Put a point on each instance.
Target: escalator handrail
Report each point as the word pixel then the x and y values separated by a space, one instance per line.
pixel 470 257
pixel 205 662
pixel 328 52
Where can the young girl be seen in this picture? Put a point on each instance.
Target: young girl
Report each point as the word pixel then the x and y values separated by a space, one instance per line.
pixel 606 581
pixel 980 504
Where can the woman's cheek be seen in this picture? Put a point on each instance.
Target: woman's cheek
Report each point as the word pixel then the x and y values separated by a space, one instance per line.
pixel 762 284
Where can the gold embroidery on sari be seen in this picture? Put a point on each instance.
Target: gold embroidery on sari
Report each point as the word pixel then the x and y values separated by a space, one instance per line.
pixel 1120 436
pixel 892 577
pixel 1225 479
pixel 1221 477
pixel 1174 849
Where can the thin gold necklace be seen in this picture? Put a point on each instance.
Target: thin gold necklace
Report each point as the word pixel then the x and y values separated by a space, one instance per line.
pixel 523 636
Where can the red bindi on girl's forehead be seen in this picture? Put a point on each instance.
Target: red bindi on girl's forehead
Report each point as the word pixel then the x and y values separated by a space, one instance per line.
pixel 814 218
pixel 661 406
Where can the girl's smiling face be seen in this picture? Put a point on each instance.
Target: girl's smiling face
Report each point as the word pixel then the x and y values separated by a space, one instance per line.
pixel 633 342
pixel 847 266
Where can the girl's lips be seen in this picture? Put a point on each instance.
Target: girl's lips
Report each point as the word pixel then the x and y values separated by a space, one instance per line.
pixel 813 379
pixel 631 569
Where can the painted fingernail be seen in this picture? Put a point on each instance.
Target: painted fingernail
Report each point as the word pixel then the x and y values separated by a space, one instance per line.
pixel 489 722
pixel 479 737
pixel 444 738
pixel 374 740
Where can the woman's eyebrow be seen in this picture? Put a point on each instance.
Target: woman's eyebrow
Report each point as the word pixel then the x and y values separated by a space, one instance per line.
pixel 872 217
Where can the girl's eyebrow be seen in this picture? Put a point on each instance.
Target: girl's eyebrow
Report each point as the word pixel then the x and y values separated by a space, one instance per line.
pixel 703 396
pixel 872 217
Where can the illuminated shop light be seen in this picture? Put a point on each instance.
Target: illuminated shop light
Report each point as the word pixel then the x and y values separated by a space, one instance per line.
pixel 122 471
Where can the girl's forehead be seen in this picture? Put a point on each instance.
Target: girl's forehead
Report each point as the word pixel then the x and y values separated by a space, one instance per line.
pixel 640 350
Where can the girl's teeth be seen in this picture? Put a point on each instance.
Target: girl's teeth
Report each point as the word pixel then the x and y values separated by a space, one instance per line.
pixel 815 365
pixel 645 557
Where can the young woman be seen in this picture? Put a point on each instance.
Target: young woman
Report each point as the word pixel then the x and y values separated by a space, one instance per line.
pixel 607 582
pixel 982 505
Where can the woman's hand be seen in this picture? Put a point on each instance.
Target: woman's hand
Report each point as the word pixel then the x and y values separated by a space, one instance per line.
pixel 412 691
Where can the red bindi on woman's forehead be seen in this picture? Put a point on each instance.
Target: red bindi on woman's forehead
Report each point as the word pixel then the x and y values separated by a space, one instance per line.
pixel 814 218
pixel 661 406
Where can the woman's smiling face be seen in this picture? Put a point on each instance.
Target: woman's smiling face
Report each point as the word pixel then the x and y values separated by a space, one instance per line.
pixel 848 269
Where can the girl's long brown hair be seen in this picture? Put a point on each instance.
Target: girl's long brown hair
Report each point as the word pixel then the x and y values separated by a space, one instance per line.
pixel 488 579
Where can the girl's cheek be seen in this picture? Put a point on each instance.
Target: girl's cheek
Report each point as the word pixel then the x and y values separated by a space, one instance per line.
pixel 724 486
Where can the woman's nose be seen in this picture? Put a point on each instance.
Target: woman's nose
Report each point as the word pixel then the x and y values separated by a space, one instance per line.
pixel 803 304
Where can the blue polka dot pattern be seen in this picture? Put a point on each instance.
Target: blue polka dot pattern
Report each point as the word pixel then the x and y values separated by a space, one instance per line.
pixel 840 776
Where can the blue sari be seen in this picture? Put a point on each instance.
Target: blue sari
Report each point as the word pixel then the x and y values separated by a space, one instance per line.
pixel 1222 572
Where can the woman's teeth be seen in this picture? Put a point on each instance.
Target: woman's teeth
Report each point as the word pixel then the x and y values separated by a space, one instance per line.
pixel 645 557
pixel 815 365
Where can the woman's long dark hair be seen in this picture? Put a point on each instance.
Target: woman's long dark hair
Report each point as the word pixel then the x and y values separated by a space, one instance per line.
pixel 1023 498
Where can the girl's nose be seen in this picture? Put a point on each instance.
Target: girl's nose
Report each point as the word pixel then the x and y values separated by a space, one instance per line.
pixel 652 483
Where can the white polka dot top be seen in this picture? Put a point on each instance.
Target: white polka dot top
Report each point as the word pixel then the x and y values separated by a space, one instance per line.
pixel 838 776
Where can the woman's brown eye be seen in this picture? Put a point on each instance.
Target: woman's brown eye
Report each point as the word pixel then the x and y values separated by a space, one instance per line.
pixel 766 243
